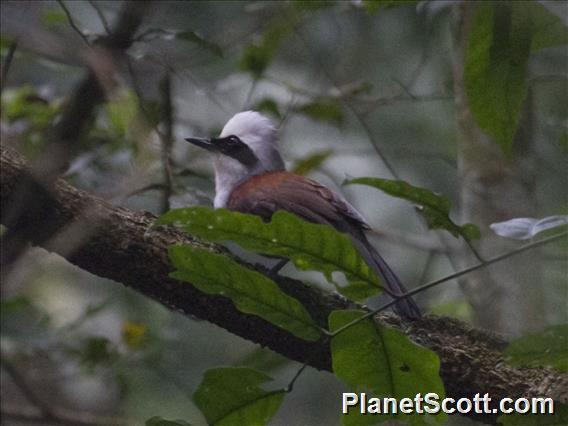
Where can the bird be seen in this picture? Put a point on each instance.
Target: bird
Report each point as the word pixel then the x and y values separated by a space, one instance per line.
pixel 250 177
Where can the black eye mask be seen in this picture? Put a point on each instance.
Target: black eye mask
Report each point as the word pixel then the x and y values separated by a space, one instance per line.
pixel 230 146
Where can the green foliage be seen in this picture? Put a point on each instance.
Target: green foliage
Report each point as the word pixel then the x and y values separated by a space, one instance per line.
pixel 501 40
pixel 434 207
pixel 309 246
pixel 496 67
pixel 193 37
pixel 25 105
pixel 311 162
pixel 5 43
pixel 95 351
pixel 324 110
pixel 547 348
pixel 559 418
pixel 160 421
pixel 232 396
pixel 250 291
pixel 257 57
pixel 373 358
pixel 122 112
pixel 53 17
pixel 548 29
pixel 268 105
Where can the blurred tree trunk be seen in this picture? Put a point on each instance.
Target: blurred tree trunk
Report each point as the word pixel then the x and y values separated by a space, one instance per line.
pixel 506 297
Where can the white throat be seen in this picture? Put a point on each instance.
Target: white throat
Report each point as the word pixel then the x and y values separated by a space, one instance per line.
pixel 261 136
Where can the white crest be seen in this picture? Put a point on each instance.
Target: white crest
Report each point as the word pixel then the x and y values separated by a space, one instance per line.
pixel 250 125
pixel 261 136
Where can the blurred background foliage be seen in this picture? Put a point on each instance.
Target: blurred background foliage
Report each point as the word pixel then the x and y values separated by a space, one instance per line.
pixel 350 85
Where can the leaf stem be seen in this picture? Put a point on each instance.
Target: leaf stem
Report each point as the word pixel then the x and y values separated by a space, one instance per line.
pixel 72 22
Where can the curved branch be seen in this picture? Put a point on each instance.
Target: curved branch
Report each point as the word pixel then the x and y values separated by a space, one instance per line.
pixel 120 244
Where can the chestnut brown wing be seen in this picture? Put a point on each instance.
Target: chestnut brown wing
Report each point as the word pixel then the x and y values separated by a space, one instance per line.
pixel 265 194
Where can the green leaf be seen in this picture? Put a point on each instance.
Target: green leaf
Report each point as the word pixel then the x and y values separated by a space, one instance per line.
pixel 324 110
pixel 373 358
pixel 548 29
pixel 122 112
pixel 309 246
pixel 257 57
pixel 193 37
pixel 51 18
pixel 434 207
pixel 250 291
pixel 232 396
pixel 95 351
pixel 15 304
pixel 26 103
pixel 311 162
pixel 547 348
pixel 496 68
pixel 160 421
pixel 270 106
pixel 559 418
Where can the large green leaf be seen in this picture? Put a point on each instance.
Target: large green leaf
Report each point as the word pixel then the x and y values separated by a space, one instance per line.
pixel 547 348
pixel 496 68
pixel 232 396
pixel 379 360
pixel 309 246
pixel 250 291
pixel 502 37
pixel 434 207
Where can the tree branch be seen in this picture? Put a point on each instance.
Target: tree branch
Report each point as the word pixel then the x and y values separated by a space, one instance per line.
pixel 120 244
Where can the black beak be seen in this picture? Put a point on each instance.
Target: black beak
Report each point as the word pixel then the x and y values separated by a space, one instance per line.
pixel 207 144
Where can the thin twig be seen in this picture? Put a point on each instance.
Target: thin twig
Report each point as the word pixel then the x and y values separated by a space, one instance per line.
pixel 290 387
pixel 72 22
pixel 101 16
pixel 450 277
pixel 167 141
pixel 7 63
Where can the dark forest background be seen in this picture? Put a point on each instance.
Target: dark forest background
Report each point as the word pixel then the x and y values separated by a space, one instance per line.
pixel 357 88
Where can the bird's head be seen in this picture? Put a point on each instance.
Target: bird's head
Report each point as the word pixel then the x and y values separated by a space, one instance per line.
pixel 247 146
pixel 249 138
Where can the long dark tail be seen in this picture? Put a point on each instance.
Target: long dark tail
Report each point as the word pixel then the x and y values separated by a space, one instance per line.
pixel 406 308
